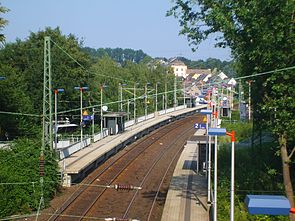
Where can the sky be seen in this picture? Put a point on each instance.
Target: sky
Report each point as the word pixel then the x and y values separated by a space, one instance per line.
pixel 134 24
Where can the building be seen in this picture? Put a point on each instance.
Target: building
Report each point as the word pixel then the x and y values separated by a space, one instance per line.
pixel 197 73
pixel 179 68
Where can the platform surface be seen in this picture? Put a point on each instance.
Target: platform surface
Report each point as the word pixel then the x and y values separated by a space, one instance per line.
pixel 84 157
pixel 187 195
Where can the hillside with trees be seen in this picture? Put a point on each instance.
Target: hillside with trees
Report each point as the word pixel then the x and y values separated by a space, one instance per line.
pixel 119 55
pixel 122 56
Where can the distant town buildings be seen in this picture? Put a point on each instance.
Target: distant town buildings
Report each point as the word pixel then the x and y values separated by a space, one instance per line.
pixel 181 70
pixel 195 80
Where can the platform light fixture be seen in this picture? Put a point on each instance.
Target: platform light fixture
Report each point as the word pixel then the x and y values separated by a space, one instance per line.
pixel 81 89
pixel 222 132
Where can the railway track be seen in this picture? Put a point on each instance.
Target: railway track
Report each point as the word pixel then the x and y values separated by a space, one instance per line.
pixel 146 163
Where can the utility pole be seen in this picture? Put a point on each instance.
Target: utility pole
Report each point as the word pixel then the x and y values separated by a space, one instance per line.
pixel 46 117
pixel 163 102
pixel 240 93
pixel 93 124
pixel 175 98
pixel 156 108
pixel 216 160
pixel 145 101
pixel 121 96
pixel 101 120
pixel 81 89
pixel 56 91
pixel 249 105
pixel 55 119
pixel 134 98
pixel 165 96
pixel 128 103
pixel 184 93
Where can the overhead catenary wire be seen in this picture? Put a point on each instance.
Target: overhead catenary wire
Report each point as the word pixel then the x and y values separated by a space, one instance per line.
pixel 253 75
pixel 20 114
pixel 115 102
pixel 86 107
pixel 266 72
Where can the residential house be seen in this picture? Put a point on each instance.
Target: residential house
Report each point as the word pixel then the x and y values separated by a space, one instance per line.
pixel 179 68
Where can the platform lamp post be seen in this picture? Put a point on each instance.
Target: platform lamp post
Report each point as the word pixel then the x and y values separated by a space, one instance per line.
pixel 121 95
pixel 175 93
pixel 56 91
pixel 156 100
pixel 128 109
pixel 134 99
pixel 145 100
pixel 92 119
pixel 166 97
pixel 183 93
pixel 222 132
pixel 101 110
pixel 81 89
pixel 208 113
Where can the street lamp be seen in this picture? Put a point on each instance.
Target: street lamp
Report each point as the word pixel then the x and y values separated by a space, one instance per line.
pixel 222 132
pixel 208 112
pixel 156 110
pixel 121 95
pixel 175 95
pixel 81 89
pixel 134 99
pixel 145 99
pixel 183 93
pixel 128 109
pixel 101 110
pixel 56 91
pixel 165 96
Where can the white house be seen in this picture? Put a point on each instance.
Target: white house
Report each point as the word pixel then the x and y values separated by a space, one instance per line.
pixel 179 68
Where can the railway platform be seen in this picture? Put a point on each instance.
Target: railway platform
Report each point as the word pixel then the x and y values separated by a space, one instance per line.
pixel 187 194
pixel 81 163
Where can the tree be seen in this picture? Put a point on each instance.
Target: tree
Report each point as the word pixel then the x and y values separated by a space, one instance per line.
pixel 117 54
pixel 3 22
pixel 26 57
pixel 20 164
pixel 260 33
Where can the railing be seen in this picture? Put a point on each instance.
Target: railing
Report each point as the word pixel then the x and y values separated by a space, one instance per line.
pixel 73 144
pixel 99 136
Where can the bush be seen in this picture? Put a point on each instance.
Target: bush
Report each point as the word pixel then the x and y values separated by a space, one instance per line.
pixel 257 171
pixel 19 175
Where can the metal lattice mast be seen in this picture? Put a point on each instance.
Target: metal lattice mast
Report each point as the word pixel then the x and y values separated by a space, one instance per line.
pixel 47 97
pixel 47 140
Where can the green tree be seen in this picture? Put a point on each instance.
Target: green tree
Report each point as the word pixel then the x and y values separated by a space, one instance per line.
pixel 20 171
pixel 117 54
pixel 259 33
pixel 14 98
pixel 3 22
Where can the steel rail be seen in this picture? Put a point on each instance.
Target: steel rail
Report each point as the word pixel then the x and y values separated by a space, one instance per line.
pixel 150 170
pixel 128 164
pixel 78 192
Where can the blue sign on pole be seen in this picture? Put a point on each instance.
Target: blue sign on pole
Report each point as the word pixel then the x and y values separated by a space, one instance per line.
pixel 87 118
pixel 199 126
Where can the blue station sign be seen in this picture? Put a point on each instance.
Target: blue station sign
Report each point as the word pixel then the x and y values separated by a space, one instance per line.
pixel 199 126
